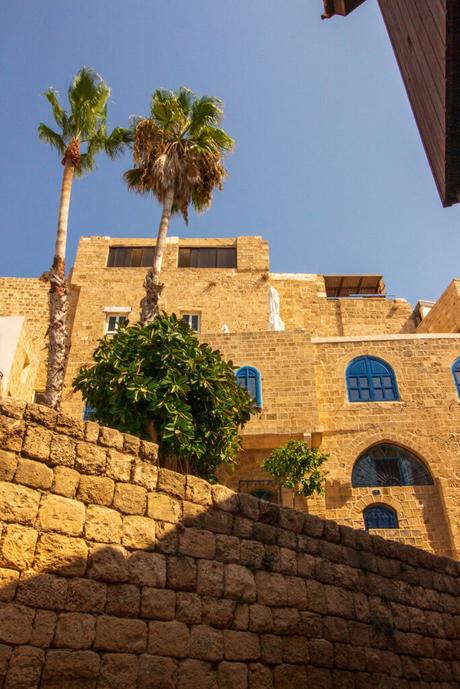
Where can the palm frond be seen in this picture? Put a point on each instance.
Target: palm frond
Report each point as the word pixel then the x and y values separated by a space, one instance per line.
pixel 88 95
pixel 206 111
pixel 185 98
pixel 118 140
pixel 87 164
pixel 133 179
pixel 59 113
pixel 214 139
pixel 51 137
pixel 166 110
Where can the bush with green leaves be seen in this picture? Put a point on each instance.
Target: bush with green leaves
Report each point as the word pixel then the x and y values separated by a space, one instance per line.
pixel 297 466
pixel 157 380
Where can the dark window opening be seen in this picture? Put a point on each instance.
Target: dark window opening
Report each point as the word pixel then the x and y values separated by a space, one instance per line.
pixel 207 258
pixel 130 256
pixel 380 517
pixel 389 465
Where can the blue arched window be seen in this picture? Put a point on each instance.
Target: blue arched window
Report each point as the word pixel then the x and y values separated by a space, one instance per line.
pixel 380 517
pixel 456 374
pixel 371 380
pixel 389 465
pixel 248 378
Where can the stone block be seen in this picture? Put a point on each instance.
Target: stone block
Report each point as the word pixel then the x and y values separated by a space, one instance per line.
pixel 289 677
pixel 322 679
pixel 63 451
pixel 218 612
pixel 8 465
pixel 158 604
pixel 240 583
pixel 271 647
pixel 69 425
pixel 188 607
pixel 123 600
pixel 193 515
pixel 260 677
pixel 164 507
pixel 97 490
pixel 225 499
pixel 210 578
pixel 43 628
pixel 147 569
pixel 139 532
pixel 232 675
pixel 42 591
pixel 288 561
pixel 103 524
pixel 260 619
pixel 118 466
pixel 197 543
pixel 18 548
pixel 157 672
pixel 206 643
pixel 169 639
pixel 15 409
pixel 37 442
pixel 182 573
pixel 149 452
pixel 15 623
pixel 228 549
pixel 34 474
pixel 18 504
pixel 86 595
pixel 90 458
pixel 305 565
pixel 249 506
pixel 196 673
pixel 25 667
pixel 217 521
pixel 241 645
pixel 120 634
pixel 65 481
pixel 9 579
pixel 271 589
pixel 252 553
pixel 295 649
pixel 61 514
pixel 290 519
pixel 296 593
pixel 108 563
pixel 91 431
pixel 198 491
pixel 61 554
pixel 74 630
pixel 76 669
pixel 130 499
pixel 109 437
pixel 131 444
pixel 340 602
pixel 241 617
pixel 286 621
pixel 145 475
pixel 167 537
pixel 41 415
pixel 119 671
pixel 172 483
pixel 243 527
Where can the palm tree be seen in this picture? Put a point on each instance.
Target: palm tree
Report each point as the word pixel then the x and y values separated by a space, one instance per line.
pixel 84 124
pixel 178 153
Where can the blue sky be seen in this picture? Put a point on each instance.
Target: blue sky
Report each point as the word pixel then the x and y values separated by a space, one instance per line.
pixel 329 166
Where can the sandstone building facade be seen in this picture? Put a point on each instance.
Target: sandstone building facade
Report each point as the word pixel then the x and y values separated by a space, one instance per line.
pixel 365 377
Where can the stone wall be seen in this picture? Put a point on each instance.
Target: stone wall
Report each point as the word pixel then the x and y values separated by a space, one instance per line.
pixel 119 574
pixel 444 316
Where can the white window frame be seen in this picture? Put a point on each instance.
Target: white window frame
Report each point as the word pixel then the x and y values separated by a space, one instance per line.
pixel 107 321
pixel 189 315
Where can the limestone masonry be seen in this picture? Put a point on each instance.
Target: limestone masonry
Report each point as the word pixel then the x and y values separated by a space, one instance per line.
pixel 365 377
pixel 117 574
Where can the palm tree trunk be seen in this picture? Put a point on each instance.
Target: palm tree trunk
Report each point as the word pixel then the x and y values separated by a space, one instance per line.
pixel 58 303
pixel 152 284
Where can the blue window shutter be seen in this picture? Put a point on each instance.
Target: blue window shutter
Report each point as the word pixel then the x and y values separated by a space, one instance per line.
pixel 248 378
pixel 380 517
pixel 456 375
pixel 371 380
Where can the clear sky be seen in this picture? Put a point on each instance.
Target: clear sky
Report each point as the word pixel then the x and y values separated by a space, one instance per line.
pixel 329 166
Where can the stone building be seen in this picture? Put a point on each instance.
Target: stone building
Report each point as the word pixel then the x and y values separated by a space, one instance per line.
pixel 368 379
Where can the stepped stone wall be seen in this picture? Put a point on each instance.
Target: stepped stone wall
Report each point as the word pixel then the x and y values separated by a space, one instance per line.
pixel 116 573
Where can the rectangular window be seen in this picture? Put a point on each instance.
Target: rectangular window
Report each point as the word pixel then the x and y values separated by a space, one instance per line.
pixel 39 397
pixel 207 258
pixel 192 320
pixel 113 323
pixel 130 256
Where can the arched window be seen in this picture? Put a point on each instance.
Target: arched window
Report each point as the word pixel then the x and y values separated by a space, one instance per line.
pixel 389 465
pixel 456 374
pixel 371 380
pixel 248 378
pixel 380 517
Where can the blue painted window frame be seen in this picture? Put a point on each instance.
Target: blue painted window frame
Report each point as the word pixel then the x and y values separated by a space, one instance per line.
pixel 248 377
pixel 89 413
pixel 370 379
pixel 456 375
pixel 380 516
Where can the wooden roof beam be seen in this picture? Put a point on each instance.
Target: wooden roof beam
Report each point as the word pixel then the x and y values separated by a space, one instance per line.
pixel 340 7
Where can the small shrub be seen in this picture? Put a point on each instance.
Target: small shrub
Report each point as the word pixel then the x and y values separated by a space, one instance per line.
pixel 297 466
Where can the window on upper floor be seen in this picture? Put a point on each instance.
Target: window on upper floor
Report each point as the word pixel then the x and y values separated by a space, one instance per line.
pixel 89 413
pixel 219 257
pixel 193 320
pixel 456 375
pixel 371 380
pixel 130 256
pixel 380 517
pixel 389 465
pixel 113 322
pixel 248 378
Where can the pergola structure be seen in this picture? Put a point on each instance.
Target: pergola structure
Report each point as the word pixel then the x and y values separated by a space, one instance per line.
pixel 425 35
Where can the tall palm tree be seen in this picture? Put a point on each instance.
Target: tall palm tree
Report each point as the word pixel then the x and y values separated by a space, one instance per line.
pixel 178 154
pixel 84 125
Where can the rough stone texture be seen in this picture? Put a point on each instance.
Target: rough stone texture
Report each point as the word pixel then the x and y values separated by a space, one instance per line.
pixel 106 582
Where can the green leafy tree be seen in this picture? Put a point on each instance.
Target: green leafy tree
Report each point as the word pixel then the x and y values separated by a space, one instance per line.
pixel 178 154
pixel 157 380
pixel 297 466
pixel 84 125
